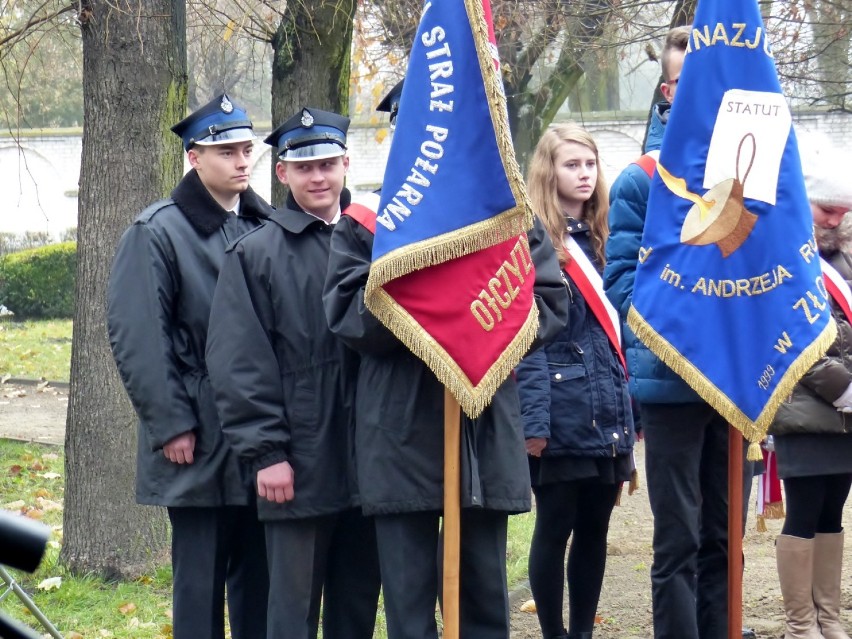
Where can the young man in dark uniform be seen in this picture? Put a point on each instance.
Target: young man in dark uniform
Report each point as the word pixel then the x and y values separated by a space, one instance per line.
pixel 285 388
pixel 399 449
pixel 159 295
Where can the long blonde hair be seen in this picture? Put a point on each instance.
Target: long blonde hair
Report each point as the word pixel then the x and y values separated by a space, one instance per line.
pixel 541 184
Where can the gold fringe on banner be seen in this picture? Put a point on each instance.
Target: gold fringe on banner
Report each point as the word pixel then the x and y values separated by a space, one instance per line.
pixel 753 431
pixel 443 248
pixel 770 511
pixel 774 510
pixel 472 399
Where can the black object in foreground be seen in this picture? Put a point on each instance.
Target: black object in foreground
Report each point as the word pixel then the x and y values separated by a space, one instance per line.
pixel 22 541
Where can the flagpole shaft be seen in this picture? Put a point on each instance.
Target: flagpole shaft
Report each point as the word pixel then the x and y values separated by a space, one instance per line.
pixel 452 515
pixel 735 533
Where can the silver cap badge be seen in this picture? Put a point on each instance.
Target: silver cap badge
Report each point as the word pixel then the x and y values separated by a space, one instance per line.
pixel 307 118
pixel 226 105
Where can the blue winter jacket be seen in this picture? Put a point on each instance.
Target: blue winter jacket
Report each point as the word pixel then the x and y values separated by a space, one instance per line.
pixel 651 381
pixel 573 392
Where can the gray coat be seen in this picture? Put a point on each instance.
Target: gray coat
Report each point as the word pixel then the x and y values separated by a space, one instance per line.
pixel 284 384
pixel 399 402
pixel 158 305
pixel 811 436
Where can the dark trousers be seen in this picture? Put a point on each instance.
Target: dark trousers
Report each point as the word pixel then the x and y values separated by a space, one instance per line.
pixel 581 510
pixel 411 558
pixel 332 559
pixel 686 466
pixel 212 547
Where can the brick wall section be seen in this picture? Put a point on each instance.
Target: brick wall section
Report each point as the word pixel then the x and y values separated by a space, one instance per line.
pixel 619 141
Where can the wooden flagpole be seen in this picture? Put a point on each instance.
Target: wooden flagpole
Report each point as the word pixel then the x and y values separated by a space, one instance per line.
pixel 735 533
pixel 452 515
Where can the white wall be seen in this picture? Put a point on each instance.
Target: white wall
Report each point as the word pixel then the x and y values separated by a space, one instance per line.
pixel 39 177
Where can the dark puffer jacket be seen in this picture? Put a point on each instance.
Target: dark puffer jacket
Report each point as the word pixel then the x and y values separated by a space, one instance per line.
pixel 651 381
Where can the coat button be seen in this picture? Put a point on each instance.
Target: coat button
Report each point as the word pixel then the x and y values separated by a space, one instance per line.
pixel 558 376
pixel 615 435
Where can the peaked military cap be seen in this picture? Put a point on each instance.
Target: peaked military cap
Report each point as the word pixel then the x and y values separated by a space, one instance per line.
pixel 390 103
pixel 311 134
pixel 220 121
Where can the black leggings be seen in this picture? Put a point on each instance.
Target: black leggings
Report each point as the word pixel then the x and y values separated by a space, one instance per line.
pixel 815 504
pixel 584 508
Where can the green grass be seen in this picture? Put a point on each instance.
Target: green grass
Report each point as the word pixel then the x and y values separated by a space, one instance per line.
pixel 36 349
pixel 91 606
pixel 518 547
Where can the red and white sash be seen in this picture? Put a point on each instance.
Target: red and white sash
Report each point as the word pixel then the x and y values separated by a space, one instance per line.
pixel 363 210
pixel 586 278
pixel 838 288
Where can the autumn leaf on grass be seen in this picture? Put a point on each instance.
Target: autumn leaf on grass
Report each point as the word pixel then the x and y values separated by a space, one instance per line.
pixel 51 583
pixel 15 470
pixel 73 635
pixel 41 492
pixel 37 465
pixel 528 606
pixel 50 456
pixel 35 513
pixel 47 505
pixel 127 608
pixel 50 475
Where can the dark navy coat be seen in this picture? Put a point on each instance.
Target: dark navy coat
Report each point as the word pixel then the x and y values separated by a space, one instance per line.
pixel 573 390
pixel 400 402
pixel 158 305
pixel 284 384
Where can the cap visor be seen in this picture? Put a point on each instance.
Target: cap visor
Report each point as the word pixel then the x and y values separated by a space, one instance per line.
pixel 228 137
pixel 320 151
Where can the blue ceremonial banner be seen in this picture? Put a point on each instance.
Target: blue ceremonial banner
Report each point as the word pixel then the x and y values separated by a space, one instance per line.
pixel 449 168
pixel 729 291
pixel 452 275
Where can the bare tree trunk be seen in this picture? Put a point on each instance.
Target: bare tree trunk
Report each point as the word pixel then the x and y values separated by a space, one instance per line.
pixel 831 39
pixel 134 85
pixel 310 62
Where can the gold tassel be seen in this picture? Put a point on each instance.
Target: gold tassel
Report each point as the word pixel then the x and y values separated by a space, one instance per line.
pixel 761 523
pixel 754 453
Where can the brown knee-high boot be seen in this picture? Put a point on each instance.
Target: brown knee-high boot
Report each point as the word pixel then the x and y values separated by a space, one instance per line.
pixel 795 559
pixel 828 559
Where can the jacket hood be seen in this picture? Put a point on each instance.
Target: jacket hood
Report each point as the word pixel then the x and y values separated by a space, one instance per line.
pixel 659 118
